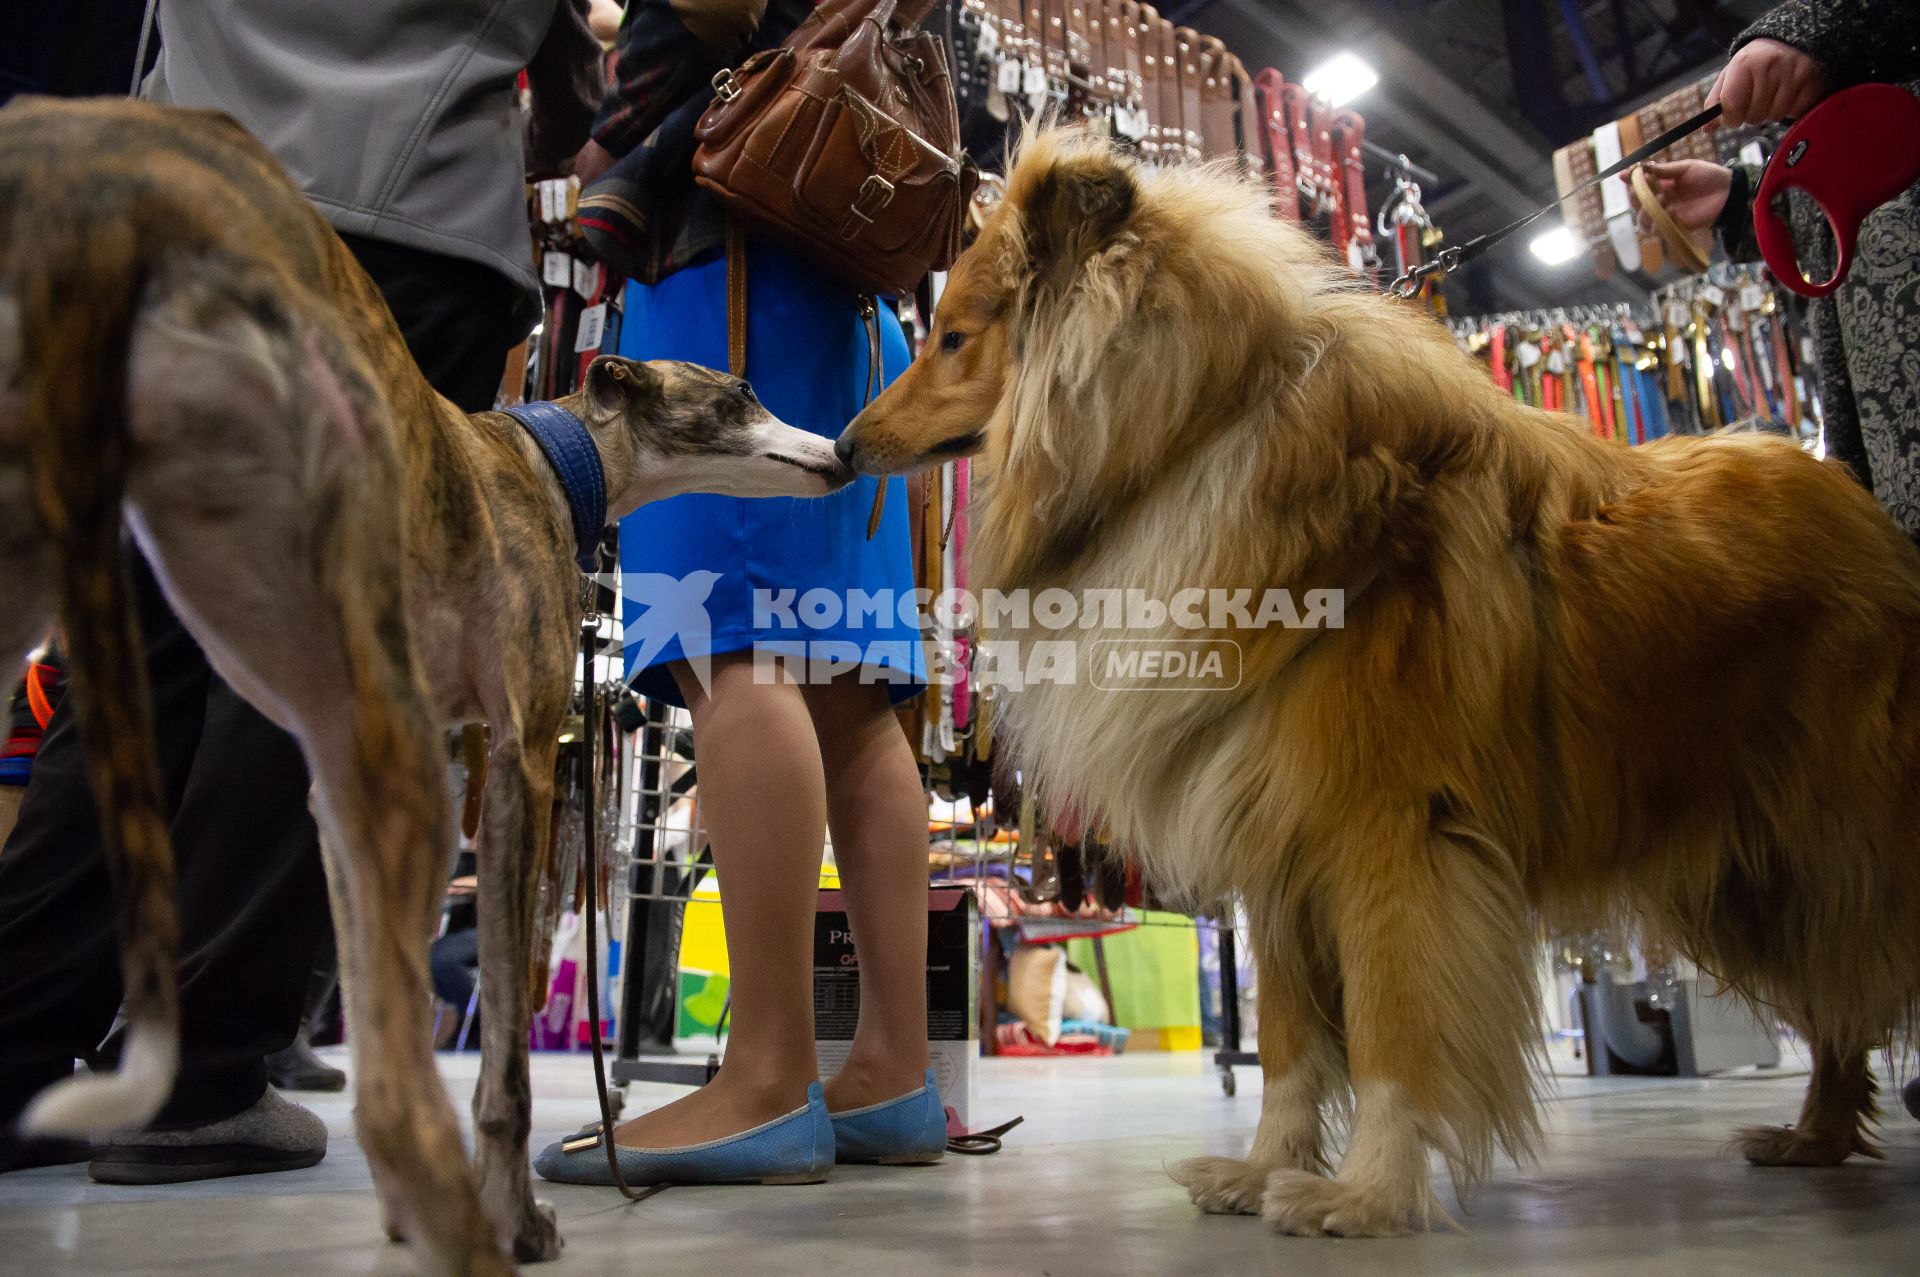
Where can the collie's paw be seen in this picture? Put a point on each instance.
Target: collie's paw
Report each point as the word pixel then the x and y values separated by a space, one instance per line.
pixel 1221 1185
pixel 1306 1205
pixel 538 1238
pixel 1789 1146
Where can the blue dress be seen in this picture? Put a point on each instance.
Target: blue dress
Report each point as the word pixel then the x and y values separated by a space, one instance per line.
pixel 693 567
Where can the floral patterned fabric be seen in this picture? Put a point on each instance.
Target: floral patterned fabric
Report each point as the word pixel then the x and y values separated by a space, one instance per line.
pixel 1867 334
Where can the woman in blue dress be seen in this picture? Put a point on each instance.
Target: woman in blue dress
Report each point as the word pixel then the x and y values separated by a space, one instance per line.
pixel 724 600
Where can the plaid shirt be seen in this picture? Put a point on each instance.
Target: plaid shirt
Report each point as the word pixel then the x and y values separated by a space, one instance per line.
pixel 646 217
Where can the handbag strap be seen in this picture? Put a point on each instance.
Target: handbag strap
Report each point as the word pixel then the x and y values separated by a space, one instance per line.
pixel 736 299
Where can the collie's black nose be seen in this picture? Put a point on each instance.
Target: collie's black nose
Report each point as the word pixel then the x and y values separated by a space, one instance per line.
pixel 843 449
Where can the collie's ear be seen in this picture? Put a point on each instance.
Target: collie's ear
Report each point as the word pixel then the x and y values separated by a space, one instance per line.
pixel 1074 209
pixel 614 384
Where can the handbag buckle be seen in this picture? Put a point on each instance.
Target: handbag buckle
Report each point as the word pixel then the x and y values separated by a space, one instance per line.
pixel 724 86
pixel 875 194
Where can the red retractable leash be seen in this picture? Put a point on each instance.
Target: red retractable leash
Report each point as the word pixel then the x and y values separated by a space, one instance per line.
pixel 1850 154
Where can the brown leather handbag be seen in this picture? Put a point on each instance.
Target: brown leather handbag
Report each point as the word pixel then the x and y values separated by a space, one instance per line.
pixel 843 144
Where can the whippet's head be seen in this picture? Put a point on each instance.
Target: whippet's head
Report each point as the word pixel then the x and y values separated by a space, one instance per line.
pixel 665 428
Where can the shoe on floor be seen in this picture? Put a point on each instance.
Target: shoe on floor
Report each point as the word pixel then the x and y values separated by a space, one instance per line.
pixel 25 1152
pixel 909 1131
pixel 274 1135
pixel 796 1148
pixel 297 1068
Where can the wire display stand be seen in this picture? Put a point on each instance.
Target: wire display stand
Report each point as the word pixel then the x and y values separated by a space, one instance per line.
pixel 1230 1053
pixel 659 857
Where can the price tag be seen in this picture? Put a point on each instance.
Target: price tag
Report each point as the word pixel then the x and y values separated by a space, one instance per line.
pixel 1752 154
pixel 1752 296
pixel 1714 295
pixel 1808 355
pixel 593 323
pixel 989 40
pixel 586 278
pixel 1676 314
pixel 1556 362
pixel 556 269
pixel 1527 353
pixel 1033 81
pixel 1009 81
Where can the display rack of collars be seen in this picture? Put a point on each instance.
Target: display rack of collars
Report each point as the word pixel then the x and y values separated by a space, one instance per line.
pixel 1603 215
pixel 1171 93
pixel 581 301
pixel 1738 352
pixel 1714 350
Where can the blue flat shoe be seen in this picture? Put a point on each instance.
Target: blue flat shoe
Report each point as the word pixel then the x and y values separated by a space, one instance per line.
pixel 794 1149
pixel 909 1131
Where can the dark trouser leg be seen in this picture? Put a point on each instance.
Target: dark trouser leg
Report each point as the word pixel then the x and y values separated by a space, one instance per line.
pixel 59 970
pixel 457 316
pixel 254 929
pixel 452 961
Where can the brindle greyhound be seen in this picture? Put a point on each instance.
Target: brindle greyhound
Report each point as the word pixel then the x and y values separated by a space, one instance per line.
pixel 187 350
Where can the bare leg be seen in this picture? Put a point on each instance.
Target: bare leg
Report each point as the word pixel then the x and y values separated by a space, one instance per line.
pixel 1301 1064
pixel 762 793
pixel 878 814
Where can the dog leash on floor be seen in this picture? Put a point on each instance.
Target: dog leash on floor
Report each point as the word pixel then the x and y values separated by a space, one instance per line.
pixel 1453 259
pixel 981 1143
pixel 589 820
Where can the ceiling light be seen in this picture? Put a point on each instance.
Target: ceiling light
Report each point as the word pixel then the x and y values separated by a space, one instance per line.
pixel 1340 79
pixel 1557 246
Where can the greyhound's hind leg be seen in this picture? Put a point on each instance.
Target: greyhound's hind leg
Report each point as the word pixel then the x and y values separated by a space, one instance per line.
pixel 271 507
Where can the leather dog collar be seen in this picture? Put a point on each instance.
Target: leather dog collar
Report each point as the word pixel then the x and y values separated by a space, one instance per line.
pixel 570 450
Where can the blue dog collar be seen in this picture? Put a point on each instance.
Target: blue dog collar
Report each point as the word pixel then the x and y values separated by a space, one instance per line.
pixel 570 451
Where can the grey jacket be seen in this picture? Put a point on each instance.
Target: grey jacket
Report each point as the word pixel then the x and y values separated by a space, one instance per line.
pixel 397 117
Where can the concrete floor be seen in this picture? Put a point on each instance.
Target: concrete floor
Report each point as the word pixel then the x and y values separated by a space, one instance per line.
pixel 1636 1179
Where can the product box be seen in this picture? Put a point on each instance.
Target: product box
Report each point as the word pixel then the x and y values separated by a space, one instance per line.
pixel 953 991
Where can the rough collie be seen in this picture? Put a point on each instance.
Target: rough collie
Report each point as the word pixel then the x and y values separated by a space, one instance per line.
pixel 1674 686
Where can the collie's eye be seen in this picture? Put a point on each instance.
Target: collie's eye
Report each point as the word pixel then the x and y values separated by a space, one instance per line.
pixel 951 340
pixel 746 392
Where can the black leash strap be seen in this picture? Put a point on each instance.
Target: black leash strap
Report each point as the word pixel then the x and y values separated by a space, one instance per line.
pixel 980 1143
pixel 1453 259
pixel 589 818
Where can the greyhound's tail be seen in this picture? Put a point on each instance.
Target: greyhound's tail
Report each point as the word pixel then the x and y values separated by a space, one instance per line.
pixel 77 297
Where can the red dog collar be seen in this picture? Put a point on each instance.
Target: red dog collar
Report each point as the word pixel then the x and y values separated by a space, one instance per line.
pixel 1850 154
